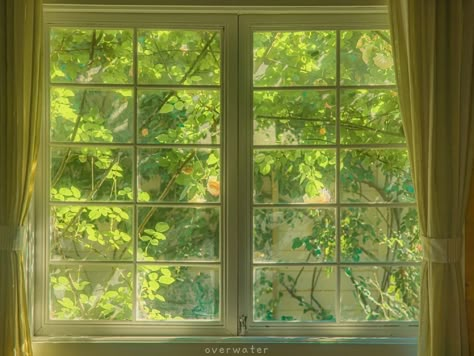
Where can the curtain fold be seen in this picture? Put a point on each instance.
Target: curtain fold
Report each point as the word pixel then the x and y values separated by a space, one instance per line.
pixel 20 110
pixel 433 46
pixel 469 268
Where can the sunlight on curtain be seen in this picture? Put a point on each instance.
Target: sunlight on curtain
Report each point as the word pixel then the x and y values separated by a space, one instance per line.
pixel 469 260
pixel 433 46
pixel 20 109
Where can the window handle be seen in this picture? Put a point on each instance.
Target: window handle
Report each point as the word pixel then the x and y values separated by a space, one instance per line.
pixel 243 325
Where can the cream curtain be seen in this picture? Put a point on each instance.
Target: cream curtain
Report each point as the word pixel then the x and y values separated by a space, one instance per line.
pixel 433 48
pixel 20 109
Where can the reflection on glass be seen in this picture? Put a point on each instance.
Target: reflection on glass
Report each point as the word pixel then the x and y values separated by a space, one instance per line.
pixel 93 174
pixel 91 233
pixel 173 234
pixel 179 116
pixel 304 293
pixel 294 176
pixel 294 235
pixel 380 235
pixel 376 175
pixel 91 115
pixel 179 57
pixel 91 55
pixel 186 175
pixel 366 58
pixel 90 292
pixel 294 58
pixel 293 117
pixel 380 293
pixel 178 293
pixel 370 117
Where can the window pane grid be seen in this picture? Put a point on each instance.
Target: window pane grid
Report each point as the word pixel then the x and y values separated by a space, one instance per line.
pixel 98 282
pixel 287 278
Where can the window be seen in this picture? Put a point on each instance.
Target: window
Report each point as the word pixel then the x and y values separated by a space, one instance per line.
pixel 199 169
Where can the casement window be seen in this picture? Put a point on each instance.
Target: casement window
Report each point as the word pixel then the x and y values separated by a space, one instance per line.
pixel 224 174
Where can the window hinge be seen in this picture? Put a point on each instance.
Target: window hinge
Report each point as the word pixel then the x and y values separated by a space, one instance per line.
pixel 243 325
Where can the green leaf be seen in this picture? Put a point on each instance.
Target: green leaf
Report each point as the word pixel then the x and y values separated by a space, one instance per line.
pixel 75 192
pixel 160 297
pixel 212 160
pixel 162 227
pixel 153 285
pixel 159 236
pixel 84 298
pixel 66 302
pixel 65 191
pixel 94 214
pixel 166 279
pixel 311 190
pixel 297 243
pixel 166 108
pixel 179 105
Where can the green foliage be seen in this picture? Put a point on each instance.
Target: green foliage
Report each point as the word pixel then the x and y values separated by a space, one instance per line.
pixel 110 241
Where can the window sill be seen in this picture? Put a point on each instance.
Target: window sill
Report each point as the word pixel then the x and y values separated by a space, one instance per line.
pixel 192 346
pixel 230 340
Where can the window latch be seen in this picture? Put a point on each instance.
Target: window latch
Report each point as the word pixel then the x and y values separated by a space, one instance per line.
pixel 243 325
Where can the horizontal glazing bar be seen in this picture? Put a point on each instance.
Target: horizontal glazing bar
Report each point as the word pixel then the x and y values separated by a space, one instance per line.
pixel 335 264
pixel 130 263
pixel 134 323
pixel 178 205
pixel 178 87
pixel 91 86
pixel 331 146
pixel 95 86
pixel 128 204
pixel 334 205
pixel 128 145
pixel 326 87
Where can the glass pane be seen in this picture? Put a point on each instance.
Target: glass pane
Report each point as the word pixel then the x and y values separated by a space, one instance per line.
pixel 294 176
pixel 185 175
pixel 91 233
pixel 175 234
pixel 179 116
pixel 99 174
pixel 294 117
pixel 380 293
pixel 305 293
pixel 91 115
pixel 294 58
pixel 380 235
pixel 370 116
pixel 376 175
pixel 91 55
pixel 90 292
pixel 366 58
pixel 294 235
pixel 178 293
pixel 179 57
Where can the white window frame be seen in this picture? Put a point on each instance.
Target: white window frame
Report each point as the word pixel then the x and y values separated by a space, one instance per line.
pixel 228 324
pixel 237 217
pixel 318 21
